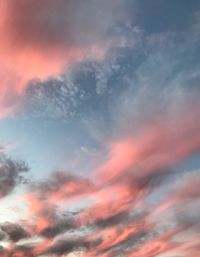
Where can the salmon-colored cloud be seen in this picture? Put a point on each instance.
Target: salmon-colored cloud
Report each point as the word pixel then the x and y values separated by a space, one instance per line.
pixel 39 39
pixel 160 144
pixel 113 213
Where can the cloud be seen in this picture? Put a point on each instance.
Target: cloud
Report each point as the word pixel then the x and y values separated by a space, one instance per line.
pixel 146 151
pixel 40 39
pixel 113 218
pixel 188 188
pixel 134 203
pixel 11 173
pixel 112 211
pixel 145 77
pixel 15 232
pixel 64 23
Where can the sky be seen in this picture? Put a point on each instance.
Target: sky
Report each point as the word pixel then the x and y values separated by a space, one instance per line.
pixel 99 128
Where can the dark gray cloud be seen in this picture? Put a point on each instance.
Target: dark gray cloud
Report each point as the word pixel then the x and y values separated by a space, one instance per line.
pixel 15 232
pixel 112 220
pixel 11 173
pixel 67 246
pixel 60 225
pixel 22 251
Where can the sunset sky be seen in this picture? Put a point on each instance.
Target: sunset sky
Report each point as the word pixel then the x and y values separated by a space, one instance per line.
pixel 100 128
